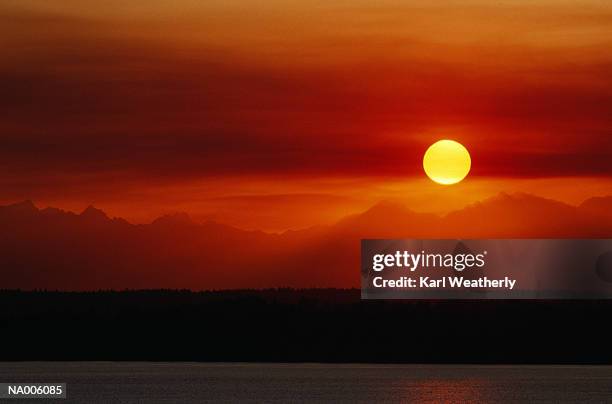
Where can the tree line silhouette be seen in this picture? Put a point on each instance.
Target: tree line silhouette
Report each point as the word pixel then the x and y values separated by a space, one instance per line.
pixel 290 325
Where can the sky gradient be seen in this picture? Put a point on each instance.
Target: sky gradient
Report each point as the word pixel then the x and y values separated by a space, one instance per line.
pixel 287 114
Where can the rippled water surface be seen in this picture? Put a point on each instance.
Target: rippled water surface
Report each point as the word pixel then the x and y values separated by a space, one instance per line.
pixel 127 382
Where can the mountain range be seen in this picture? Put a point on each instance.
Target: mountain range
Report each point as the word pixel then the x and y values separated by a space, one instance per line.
pixel 55 249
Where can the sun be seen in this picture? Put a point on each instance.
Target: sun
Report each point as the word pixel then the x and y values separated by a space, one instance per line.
pixel 447 162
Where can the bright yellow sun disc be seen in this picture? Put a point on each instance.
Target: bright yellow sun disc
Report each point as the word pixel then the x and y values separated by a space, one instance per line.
pixel 447 162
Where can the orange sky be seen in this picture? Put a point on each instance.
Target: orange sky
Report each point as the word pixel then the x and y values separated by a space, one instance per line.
pixel 286 114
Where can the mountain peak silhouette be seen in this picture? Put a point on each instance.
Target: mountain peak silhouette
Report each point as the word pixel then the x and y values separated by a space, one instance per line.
pixel 54 211
pixel 389 220
pixel 522 215
pixel 514 202
pixel 89 251
pixel 174 219
pixel 599 206
pixel 93 213
pixel 384 210
pixel 20 211
pixel 26 206
pixel 517 199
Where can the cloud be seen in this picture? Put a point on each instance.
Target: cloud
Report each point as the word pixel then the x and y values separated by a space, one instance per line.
pixel 94 100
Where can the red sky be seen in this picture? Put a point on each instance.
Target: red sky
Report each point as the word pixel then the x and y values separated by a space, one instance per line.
pixel 285 114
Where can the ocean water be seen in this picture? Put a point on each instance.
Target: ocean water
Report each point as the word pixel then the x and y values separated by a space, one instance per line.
pixel 137 382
